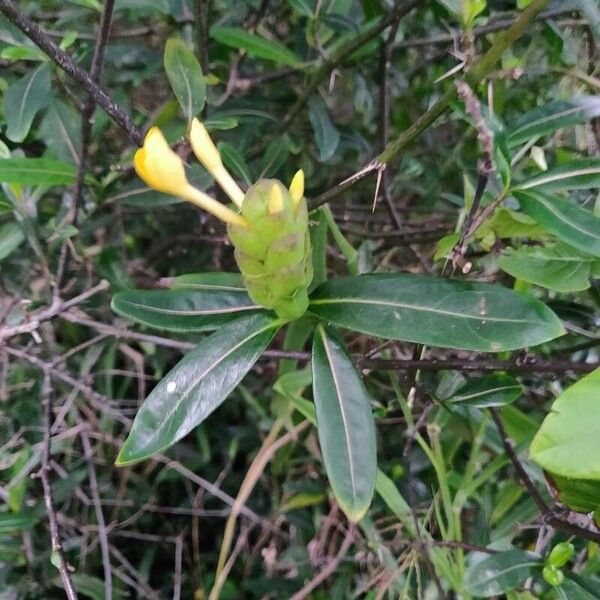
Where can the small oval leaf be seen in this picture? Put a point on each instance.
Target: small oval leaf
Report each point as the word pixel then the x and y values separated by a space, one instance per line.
pixel 185 76
pixel 345 424
pixel 490 390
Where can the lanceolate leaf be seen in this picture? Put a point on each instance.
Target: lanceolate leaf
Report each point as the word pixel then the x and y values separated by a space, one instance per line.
pixel 326 134
pixel 501 573
pixel 345 424
pixel 184 309
pixel 578 174
pixel 11 237
pixel 34 171
pixel 24 99
pixel 224 282
pixel 551 117
pixel 254 45
pixel 437 312
pixel 196 386
pixel 566 220
pixel 185 76
pixel 567 443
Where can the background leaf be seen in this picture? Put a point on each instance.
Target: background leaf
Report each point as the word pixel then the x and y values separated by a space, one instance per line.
pixel 552 117
pixel 35 171
pixel 567 443
pixel 24 99
pixel 254 45
pixel 489 390
pixel 327 136
pixel 185 77
pixel 578 174
pixel 11 237
pixel 501 573
pixel 345 424
pixel 436 312
pixel 196 386
pixel 566 220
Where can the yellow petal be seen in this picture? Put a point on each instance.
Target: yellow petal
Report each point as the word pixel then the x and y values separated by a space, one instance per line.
pixel 215 208
pixel 207 153
pixel 275 200
pixel 297 187
pixel 160 167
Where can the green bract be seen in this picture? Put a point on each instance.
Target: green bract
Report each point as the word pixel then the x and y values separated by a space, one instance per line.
pixel 273 253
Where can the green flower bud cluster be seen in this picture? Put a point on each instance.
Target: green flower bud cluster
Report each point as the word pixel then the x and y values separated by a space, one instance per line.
pixel 273 252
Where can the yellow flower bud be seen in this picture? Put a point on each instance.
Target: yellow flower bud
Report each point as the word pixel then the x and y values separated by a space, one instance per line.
pixel 162 169
pixel 207 153
pixel 297 187
pixel 275 200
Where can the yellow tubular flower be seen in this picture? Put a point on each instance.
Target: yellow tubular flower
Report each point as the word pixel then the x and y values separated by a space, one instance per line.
pixel 297 187
pixel 162 169
pixel 275 200
pixel 206 152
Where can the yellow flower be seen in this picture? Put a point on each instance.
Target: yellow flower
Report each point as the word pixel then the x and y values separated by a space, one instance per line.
pixel 297 187
pixel 206 152
pixel 163 170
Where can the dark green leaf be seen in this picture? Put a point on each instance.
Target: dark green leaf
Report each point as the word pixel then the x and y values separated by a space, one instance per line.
pixel 567 443
pixel 489 390
pixel 11 236
pixel 554 266
pixel 15 523
pixel 224 282
pixel 577 174
pixel 35 171
pixel 60 130
pixel 235 161
pixel 326 135
pixel 580 495
pixel 551 117
pixel 345 424
pixel 501 573
pixel 184 309
pixel 566 220
pixel 196 386
pixel 576 587
pixel 254 45
pixel 24 99
pixel 185 76
pixel 437 312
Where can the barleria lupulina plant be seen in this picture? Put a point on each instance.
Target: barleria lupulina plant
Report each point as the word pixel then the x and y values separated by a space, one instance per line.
pixel 270 236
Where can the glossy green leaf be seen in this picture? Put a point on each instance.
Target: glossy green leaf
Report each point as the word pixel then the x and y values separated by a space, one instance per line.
pixel 35 171
pixel 577 174
pixel 501 573
pixel 566 220
pixel 326 134
pixel 576 587
pixel 552 117
pixel 489 390
pixel 437 312
pixel 184 309
pixel 254 45
pixel 567 443
pixel 185 76
pixel 557 267
pixel 218 281
pixel 345 424
pixel 24 99
pixel 580 495
pixel 196 386
pixel 11 237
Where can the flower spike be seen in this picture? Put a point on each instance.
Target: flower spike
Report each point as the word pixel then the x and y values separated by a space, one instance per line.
pixel 162 169
pixel 206 152
pixel 297 187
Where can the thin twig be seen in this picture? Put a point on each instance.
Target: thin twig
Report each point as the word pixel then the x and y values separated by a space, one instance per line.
pixel 65 62
pixel 102 534
pixel 57 549
pixel 330 568
pixel 479 70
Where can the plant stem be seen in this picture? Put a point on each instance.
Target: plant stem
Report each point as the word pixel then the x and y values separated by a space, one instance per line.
pixel 479 70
